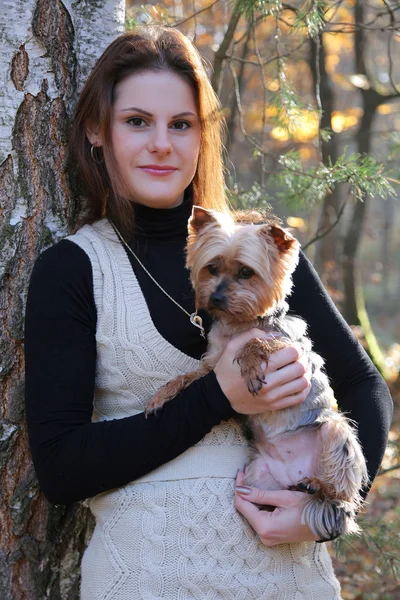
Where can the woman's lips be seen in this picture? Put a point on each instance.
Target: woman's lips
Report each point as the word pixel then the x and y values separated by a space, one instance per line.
pixel 158 171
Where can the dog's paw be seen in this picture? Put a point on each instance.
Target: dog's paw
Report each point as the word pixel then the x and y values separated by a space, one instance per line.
pixel 314 486
pixel 154 405
pixel 254 382
pixel 309 486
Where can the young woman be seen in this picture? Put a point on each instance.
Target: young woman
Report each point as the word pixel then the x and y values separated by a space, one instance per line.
pixel 108 322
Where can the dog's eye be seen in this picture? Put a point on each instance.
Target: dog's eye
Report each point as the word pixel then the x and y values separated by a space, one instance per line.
pixel 212 269
pixel 245 273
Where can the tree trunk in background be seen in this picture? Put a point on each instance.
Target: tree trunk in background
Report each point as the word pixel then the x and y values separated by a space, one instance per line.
pixel 351 276
pixel 353 306
pixel 219 57
pixel 388 222
pixel 327 248
pixel 231 122
pixel 47 48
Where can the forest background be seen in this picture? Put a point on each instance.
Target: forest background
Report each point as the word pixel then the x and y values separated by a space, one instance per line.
pixel 310 91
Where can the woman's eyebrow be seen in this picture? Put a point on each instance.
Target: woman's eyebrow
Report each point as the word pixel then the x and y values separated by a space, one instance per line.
pixel 145 112
pixel 136 109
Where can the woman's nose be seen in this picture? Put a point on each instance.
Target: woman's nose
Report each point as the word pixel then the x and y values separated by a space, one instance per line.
pixel 160 141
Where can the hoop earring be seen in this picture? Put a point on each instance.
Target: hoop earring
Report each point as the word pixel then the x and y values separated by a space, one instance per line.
pixel 93 156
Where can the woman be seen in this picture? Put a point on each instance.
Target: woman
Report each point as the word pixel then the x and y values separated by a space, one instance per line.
pixel 108 322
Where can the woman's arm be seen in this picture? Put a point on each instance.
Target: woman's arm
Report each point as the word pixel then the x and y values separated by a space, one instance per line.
pixel 73 457
pixel 359 389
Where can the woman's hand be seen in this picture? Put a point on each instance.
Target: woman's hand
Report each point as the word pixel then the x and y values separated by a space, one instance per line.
pixel 283 525
pixel 287 382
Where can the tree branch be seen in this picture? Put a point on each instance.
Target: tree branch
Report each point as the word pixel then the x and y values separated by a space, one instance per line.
pixel 221 52
pixel 389 469
pixel 194 15
pixel 268 60
pixel 321 235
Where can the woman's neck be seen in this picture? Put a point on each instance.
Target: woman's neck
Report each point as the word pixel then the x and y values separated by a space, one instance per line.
pixel 162 223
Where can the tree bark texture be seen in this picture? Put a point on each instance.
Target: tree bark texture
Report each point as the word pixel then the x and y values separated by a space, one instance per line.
pixel 47 48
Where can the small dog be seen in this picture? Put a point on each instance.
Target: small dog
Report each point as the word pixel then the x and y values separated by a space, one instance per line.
pixel 241 273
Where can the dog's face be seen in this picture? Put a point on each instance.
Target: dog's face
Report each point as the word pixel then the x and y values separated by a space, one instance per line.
pixel 239 272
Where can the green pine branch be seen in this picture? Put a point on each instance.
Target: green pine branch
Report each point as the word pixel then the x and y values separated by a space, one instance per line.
pixel 309 14
pixel 307 187
pixel 254 198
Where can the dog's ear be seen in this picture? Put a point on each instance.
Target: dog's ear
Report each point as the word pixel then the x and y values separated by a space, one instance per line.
pixel 282 239
pixel 201 217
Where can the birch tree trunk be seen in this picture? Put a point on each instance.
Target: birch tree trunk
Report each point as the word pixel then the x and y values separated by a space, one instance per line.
pixel 47 48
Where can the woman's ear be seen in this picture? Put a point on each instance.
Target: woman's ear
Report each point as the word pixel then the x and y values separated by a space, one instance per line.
pixel 93 135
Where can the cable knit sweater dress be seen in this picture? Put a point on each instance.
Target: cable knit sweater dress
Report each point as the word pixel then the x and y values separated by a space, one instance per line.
pixel 174 533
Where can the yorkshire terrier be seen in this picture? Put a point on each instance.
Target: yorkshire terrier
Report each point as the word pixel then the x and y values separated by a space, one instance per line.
pixel 241 273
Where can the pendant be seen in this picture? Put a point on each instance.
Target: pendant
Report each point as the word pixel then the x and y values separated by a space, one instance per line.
pixel 197 321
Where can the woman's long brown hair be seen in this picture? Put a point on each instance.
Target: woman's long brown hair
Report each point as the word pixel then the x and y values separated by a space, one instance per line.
pixel 143 49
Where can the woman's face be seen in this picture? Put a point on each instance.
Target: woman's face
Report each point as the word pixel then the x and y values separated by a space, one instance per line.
pixel 155 134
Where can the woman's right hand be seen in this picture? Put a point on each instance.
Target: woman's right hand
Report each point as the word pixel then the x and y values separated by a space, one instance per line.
pixel 286 379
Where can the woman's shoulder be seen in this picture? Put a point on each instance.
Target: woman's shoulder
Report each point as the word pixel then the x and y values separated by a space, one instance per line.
pixel 61 285
pixel 64 262
pixel 71 253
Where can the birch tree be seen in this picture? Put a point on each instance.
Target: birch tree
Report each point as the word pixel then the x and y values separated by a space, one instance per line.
pixel 47 48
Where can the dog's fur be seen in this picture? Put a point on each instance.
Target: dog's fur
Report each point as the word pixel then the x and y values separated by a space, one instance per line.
pixel 241 274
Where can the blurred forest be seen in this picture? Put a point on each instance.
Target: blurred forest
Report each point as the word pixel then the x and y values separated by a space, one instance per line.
pixel 310 91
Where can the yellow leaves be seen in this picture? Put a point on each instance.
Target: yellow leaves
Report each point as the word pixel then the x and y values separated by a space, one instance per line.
pixel 273 86
pixel 386 109
pixel 303 127
pixel 297 223
pixel 331 61
pixel 346 119
pixel 338 43
pixel 280 134
pixel 305 153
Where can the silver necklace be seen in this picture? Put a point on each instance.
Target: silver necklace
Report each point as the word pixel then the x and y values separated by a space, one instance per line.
pixel 195 319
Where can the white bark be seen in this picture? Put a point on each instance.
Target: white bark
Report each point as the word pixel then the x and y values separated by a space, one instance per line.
pixel 47 48
pixel 96 25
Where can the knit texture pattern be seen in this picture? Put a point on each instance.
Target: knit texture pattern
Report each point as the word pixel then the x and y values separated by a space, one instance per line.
pixel 174 534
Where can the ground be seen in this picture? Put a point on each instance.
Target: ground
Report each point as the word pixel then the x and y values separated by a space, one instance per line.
pixel 369 567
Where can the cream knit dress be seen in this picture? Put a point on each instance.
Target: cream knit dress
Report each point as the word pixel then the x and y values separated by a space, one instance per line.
pixel 174 534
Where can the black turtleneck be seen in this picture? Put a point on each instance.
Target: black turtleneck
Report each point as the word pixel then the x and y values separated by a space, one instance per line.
pixel 75 458
pixel 158 242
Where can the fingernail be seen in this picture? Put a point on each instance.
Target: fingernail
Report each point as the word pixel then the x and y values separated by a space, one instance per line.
pixel 242 489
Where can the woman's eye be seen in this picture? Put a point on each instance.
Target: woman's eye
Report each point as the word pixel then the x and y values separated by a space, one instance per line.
pixel 212 269
pixel 181 125
pixel 136 121
pixel 245 273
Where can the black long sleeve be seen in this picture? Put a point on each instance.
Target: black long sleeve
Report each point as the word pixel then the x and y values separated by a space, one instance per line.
pixel 359 389
pixel 75 458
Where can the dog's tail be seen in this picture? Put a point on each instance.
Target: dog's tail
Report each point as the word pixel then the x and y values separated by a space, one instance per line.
pixel 343 471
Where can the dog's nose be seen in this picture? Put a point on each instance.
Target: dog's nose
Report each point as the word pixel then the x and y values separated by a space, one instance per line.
pixel 218 299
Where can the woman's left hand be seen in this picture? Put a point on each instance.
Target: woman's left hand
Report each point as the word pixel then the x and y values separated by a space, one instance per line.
pixel 283 525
